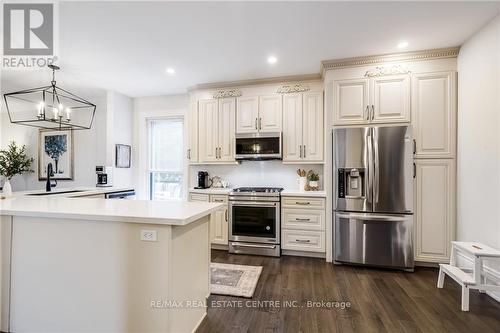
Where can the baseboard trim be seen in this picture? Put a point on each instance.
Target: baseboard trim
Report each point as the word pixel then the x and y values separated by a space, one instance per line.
pixel 491 274
pixel 426 264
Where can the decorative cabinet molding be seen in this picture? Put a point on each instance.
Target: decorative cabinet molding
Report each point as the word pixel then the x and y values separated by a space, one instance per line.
pixel 227 93
pixel 387 70
pixel 434 209
pixel 290 89
pixel 434 114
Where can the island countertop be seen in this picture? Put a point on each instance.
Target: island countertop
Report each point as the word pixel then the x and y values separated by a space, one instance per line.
pixel 133 211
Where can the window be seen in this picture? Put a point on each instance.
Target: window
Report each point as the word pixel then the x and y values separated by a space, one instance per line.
pixel 166 163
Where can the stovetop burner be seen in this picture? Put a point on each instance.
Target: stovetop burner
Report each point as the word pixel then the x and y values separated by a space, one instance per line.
pixel 276 190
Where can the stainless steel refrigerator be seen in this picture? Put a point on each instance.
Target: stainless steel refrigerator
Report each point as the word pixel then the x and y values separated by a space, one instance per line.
pixel 373 206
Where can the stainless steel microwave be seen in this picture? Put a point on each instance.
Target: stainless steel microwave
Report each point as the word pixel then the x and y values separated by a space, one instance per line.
pixel 258 146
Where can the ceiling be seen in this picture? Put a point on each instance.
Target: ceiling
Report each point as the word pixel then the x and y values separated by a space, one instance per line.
pixel 127 46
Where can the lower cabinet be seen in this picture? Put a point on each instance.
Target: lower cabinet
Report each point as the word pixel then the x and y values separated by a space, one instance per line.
pixel 303 224
pixel 219 221
pixel 434 209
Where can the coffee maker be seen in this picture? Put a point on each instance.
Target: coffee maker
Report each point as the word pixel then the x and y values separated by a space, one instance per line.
pixel 104 176
pixel 202 180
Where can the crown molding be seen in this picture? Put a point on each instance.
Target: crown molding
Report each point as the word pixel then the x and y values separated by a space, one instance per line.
pixel 251 82
pixel 451 52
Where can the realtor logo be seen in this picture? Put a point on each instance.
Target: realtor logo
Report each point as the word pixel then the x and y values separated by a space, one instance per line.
pixel 28 29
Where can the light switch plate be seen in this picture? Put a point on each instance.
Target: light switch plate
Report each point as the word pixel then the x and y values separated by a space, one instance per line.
pixel 148 235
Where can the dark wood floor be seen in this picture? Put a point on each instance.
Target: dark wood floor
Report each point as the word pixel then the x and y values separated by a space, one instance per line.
pixel 381 300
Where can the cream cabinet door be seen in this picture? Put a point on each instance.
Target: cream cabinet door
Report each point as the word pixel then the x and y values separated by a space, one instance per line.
pixel 390 99
pixel 312 120
pixel 292 127
pixel 192 151
pixel 227 112
pixel 434 114
pixel 207 130
pixel 247 115
pixel 270 113
pixel 219 227
pixel 350 105
pixel 435 209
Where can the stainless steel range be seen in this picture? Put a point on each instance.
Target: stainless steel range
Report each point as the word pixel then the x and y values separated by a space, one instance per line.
pixel 254 221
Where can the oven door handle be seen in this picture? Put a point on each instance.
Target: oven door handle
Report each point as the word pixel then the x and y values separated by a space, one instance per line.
pixel 254 203
pixel 254 245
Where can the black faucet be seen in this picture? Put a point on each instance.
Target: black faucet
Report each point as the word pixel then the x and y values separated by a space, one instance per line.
pixel 50 173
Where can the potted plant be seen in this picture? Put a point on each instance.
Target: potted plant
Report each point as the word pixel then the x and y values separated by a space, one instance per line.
pixel 13 161
pixel 313 179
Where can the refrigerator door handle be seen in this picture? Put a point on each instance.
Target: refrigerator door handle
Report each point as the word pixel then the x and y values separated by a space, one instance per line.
pixel 371 217
pixel 375 164
pixel 369 145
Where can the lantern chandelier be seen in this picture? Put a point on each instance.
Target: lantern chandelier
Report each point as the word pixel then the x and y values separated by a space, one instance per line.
pixel 49 107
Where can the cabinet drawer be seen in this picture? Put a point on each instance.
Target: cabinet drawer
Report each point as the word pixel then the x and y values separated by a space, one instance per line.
pixel 218 198
pixel 303 202
pixel 199 197
pixel 301 240
pixel 305 219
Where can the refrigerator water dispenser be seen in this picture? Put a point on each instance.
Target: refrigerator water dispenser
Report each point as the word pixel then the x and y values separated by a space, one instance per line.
pixel 351 182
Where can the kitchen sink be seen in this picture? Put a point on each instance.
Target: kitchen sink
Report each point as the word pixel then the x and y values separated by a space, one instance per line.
pixel 58 192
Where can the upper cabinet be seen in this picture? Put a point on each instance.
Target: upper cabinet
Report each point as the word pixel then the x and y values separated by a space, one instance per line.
pixel 216 128
pixel 434 114
pixel 259 114
pixel 192 150
pixel 382 99
pixel 303 133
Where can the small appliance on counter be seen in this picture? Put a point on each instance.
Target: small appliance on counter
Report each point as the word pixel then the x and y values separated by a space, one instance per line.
pixel 104 176
pixel 203 180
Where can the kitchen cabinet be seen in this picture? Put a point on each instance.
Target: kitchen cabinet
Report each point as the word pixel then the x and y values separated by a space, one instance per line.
pixel 219 224
pixel 259 114
pixel 303 120
pixel 434 114
pixel 192 150
pixel 216 130
pixel 303 224
pixel 380 99
pixel 434 217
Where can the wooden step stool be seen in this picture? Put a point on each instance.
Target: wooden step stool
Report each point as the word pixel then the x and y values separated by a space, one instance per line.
pixel 467 278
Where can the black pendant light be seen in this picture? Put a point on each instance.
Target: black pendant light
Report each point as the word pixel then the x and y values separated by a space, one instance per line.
pixel 49 107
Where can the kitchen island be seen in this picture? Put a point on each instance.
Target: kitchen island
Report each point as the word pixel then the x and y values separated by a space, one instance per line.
pixel 86 264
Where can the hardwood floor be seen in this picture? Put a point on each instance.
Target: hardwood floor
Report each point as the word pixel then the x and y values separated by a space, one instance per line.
pixel 380 300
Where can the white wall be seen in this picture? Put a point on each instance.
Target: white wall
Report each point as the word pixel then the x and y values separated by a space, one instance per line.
pixel 153 107
pixel 479 138
pixel 87 149
pixel 119 130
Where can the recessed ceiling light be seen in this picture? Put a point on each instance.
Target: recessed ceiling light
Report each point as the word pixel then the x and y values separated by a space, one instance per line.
pixel 170 71
pixel 272 60
pixel 403 45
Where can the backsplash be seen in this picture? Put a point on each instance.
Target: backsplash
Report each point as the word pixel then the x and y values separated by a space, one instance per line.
pixel 257 173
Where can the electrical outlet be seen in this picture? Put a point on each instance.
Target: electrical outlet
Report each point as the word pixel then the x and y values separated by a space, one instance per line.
pixel 148 235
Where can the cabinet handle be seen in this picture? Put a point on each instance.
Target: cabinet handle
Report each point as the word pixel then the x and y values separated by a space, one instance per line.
pixel 302 203
pixel 216 152
pixel 256 127
pixel 218 200
pixel 414 170
pixel 226 214
pixel 414 146
pixel 300 151
pixel 304 220
pixel 189 154
pixel 303 240
pixel 304 151
pixel 260 123
pixel 367 112
pixel 373 111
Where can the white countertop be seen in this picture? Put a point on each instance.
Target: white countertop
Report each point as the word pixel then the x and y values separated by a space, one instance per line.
pixel 95 209
pixel 82 191
pixel 210 190
pixel 298 193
